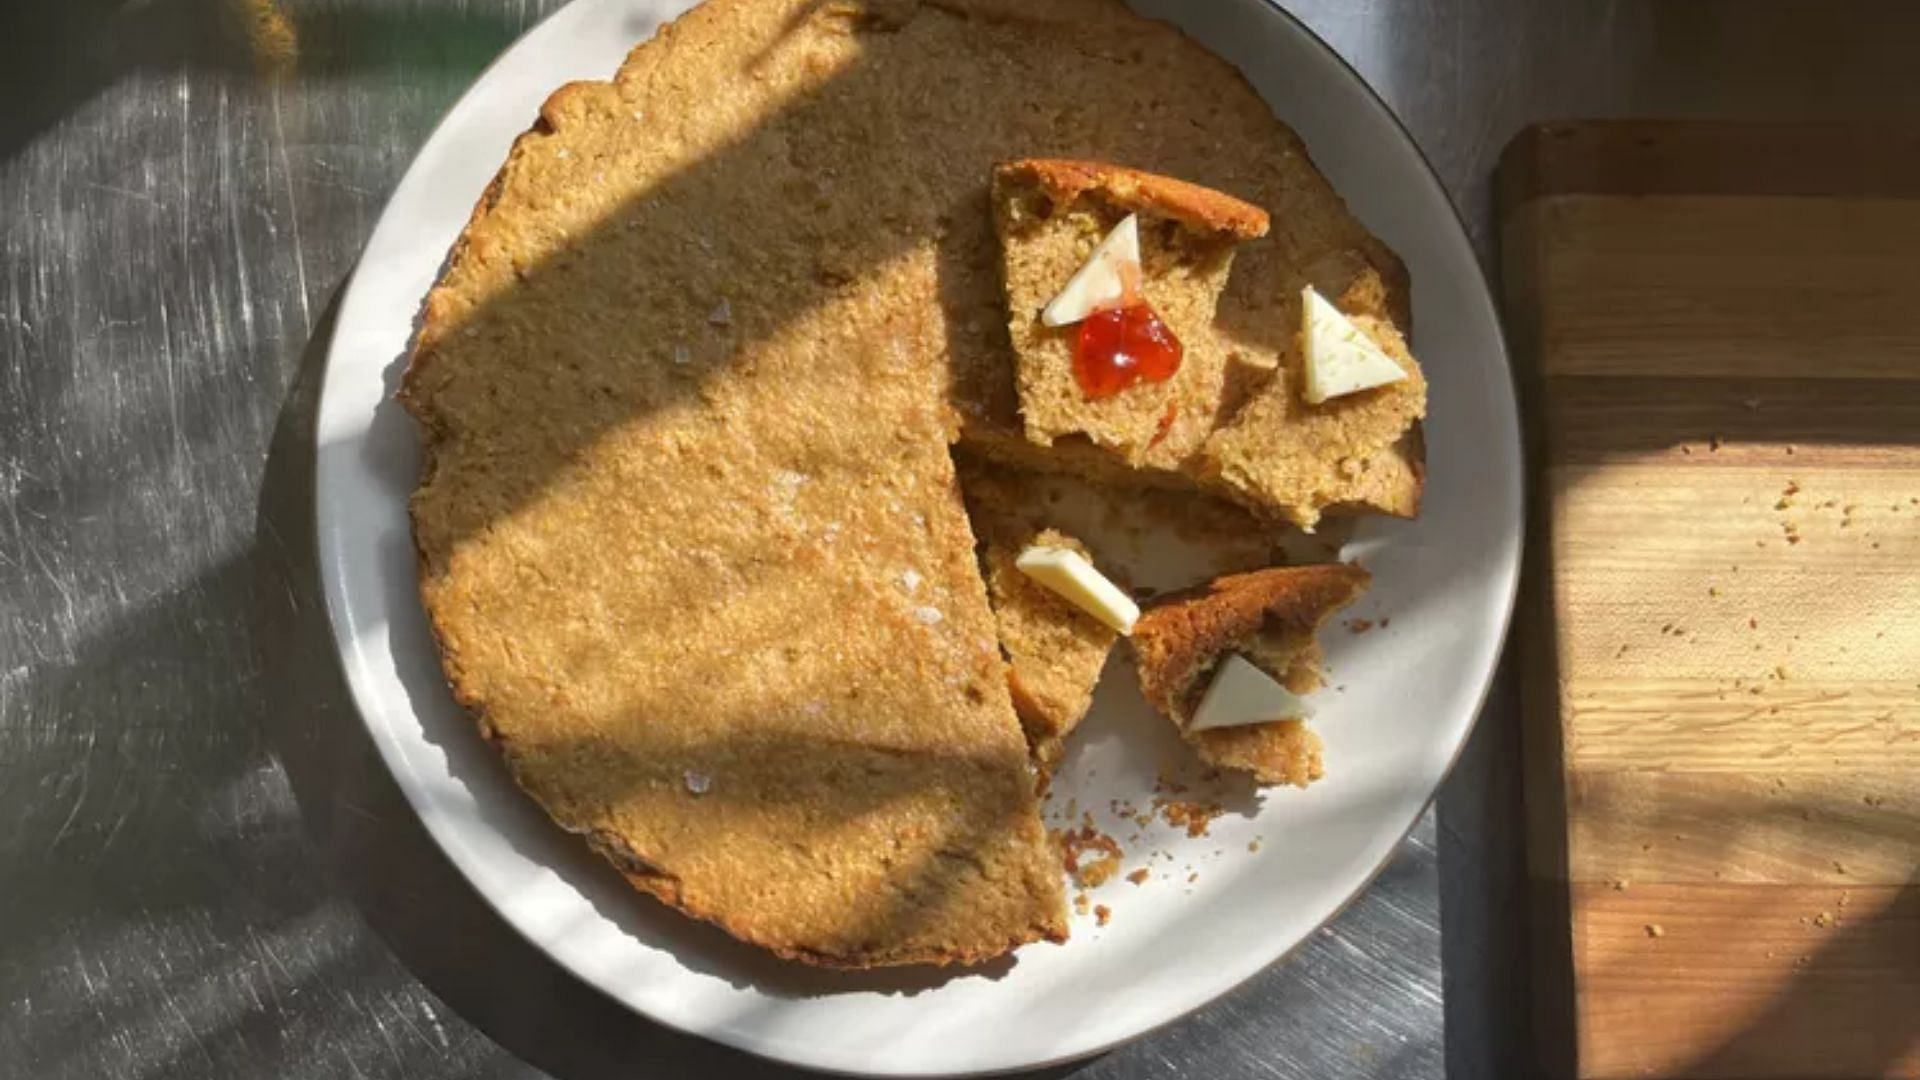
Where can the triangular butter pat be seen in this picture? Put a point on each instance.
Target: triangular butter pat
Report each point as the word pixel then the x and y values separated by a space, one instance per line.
pixel 1101 282
pixel 1242 694
pixel 1068 574
pixel 1341 359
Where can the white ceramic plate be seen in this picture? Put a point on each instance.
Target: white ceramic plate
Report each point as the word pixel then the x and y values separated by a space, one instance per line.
pixel 1412 690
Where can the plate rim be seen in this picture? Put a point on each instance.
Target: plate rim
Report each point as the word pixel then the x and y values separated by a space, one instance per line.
pixel 446 834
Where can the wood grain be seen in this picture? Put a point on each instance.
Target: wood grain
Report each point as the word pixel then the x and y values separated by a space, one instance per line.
pixel 1721 285
pixel 1687 157
pixel 1748 980
pixel 1724 644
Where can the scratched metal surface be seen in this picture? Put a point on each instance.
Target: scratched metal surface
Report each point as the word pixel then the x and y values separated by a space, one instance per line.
pixel 203 870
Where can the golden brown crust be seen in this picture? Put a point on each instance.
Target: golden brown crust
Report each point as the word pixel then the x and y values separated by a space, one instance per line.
pixel 1183 634
pixel 1269 616
pixel 1197 207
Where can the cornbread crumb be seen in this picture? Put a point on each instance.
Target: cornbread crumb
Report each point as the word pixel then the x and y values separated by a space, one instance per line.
pixel 1101 914
pixel 1193 816
pixel 1655 930
pixel 1075 844
pixel 1139 877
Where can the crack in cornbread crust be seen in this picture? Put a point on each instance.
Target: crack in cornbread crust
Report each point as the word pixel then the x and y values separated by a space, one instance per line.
pixel 1270 616
pixel 1199 208
pixel 603 261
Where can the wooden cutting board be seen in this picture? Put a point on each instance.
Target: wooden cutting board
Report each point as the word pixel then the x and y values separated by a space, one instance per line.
pixel 1717 329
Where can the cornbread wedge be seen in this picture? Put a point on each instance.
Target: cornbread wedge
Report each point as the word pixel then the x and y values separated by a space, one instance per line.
pixel 1050 214
pixel 1270 618
pixel 1054 650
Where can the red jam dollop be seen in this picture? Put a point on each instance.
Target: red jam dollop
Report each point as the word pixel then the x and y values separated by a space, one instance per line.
pixel 1121 346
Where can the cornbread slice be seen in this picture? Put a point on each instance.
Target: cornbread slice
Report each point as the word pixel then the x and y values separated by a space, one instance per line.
pixel 1050 213
pixel 1054 650
pixel 1268 616
pixel 1361 451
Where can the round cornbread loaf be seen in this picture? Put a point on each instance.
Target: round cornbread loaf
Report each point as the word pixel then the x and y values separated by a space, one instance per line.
pixel 688 529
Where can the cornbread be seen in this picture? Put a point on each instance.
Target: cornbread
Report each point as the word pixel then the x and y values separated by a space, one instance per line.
pixel 1362 451
pixel 688 531
pixel 1050 213
pixel 1268 616
pixel 1054 650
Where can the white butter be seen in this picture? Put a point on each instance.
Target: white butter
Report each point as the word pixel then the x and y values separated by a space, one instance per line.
pixel 1340 358
pixel 1242 694
pixel 1102 281
pixel 1070 575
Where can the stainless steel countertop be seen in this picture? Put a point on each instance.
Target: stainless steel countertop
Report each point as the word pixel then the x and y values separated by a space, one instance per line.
pixel 204 870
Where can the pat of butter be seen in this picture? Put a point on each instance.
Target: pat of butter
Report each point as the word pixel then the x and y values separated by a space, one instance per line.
pixel 1103 281
pixel 1340 358
pixel 1069 574
pixel 1242 694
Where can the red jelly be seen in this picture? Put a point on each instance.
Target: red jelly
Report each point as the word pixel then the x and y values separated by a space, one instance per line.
pixel 1122 346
